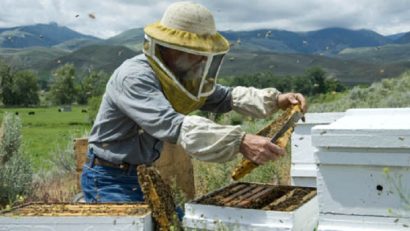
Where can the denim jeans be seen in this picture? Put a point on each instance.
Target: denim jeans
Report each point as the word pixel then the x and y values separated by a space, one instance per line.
pixel 101 184
pixel 107 184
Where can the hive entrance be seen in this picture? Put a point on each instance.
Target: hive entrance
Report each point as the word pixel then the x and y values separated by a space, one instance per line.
pixel 259 196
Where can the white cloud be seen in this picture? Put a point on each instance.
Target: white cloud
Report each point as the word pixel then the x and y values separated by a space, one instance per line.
pixel 115 16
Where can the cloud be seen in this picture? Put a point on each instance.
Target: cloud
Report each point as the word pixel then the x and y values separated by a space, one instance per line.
pixel 115 16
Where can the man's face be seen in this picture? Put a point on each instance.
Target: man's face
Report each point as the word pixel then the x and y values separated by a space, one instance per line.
pixel 183 64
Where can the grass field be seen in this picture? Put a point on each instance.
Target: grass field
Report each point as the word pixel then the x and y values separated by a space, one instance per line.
pixel 48 131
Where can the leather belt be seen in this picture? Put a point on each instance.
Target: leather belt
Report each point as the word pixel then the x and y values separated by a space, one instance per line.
pixel 101 162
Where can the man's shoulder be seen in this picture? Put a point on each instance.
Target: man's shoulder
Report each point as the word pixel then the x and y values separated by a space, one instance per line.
pixel 134 73
pixel 138 65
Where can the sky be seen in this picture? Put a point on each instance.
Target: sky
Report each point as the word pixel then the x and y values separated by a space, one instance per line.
pixel 106 18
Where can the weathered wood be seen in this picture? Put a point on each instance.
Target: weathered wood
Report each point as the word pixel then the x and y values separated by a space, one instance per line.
pixel 176 166
pixel 80 153
pixel 65 209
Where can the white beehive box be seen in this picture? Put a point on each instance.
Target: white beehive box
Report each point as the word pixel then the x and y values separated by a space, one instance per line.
pixel 364 168
pixel 211 217
pixel 77 217
pixel 303 168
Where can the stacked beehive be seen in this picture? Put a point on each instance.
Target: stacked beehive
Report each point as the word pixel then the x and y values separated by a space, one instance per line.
pixel 303 168
pixel 364 170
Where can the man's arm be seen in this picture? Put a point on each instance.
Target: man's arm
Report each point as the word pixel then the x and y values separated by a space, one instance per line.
pixel 219 101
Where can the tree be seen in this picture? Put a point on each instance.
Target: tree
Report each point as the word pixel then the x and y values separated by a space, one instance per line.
pixel 323 83
pixel 19 88
pixel 317 77
pixel 6 87
pixel 92 85
pixel 302 84
pixel 25 88
pixel 62 89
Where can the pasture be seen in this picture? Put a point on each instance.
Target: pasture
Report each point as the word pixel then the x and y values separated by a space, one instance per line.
pixel 46 130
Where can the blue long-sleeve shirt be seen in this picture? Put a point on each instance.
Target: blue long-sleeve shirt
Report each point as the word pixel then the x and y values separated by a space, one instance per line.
pixel 135 118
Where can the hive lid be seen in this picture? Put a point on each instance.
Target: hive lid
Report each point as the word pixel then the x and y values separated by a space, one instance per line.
pixel 321 118
pixel 366 128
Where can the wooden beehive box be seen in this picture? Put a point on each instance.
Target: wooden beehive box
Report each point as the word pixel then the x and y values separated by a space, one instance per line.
pixel 252 206
pixel 69 217
pixel 363 178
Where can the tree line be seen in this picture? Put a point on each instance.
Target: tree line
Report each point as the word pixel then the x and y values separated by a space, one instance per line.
pixel 21 88
pixel 315 81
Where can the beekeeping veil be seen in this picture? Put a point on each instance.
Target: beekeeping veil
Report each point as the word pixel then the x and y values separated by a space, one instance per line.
pixel 187 31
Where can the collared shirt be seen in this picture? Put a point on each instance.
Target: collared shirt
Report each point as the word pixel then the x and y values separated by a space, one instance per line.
pixel 135 118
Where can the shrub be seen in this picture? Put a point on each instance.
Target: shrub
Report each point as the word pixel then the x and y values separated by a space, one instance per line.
pixel 15 170
pixel 385 94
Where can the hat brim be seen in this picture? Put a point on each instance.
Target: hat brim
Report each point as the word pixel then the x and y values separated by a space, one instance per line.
pixel 207 43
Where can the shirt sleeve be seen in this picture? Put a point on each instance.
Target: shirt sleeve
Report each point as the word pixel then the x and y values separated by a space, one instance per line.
pixel 257 103
pixel 142 100
pixel 219 101
pixel 207 141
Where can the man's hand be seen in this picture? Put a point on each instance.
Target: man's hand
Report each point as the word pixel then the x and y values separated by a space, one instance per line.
pixel 287 99
pixel 259 149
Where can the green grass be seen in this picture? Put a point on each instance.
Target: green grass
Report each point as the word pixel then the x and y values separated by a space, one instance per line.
pixel 48 130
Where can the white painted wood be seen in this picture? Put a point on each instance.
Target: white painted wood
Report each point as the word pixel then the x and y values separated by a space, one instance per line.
pixel 331 222
pixel 366 128
pixel 363 164
pixel 303 168
pixel 210 217
pixel 80 223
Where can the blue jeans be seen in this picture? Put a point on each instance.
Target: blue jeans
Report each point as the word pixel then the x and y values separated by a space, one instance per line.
pixel 101 184
pixel 107 184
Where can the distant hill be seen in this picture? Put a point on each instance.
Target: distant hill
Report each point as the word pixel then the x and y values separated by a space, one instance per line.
pixel 44 35
pixel 94 57
pixel 132 39
pixel 326 42
pixel 350 72
pixel 352 56
pixel 394 37
pixel 390 53
pixel 404 39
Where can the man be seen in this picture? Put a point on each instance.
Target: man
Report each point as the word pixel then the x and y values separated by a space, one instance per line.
pixel 148 99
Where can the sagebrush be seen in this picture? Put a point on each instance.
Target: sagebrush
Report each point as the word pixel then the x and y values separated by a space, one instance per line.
pixel 15 169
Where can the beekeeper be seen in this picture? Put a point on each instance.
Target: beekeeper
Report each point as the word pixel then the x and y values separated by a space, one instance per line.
pixel 149 97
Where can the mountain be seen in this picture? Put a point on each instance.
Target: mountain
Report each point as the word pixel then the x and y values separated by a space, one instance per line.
pixel 394 37
pixel 94 57
pixel 350 72
pixel 132 39
pixel 390 53
pixel 43 35
pixel 31 58
pixel 328 41
pixel 404 39
pixel 333 40
pixel 352 56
